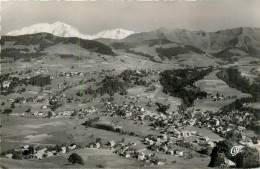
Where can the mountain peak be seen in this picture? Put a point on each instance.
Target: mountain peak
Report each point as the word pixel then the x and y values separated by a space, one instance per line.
pixel 117 33
pixel 64 30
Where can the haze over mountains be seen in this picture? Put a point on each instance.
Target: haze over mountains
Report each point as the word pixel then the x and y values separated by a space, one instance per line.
pixel 65 30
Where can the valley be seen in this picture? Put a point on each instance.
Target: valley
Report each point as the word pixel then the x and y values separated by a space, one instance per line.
pixel 150 100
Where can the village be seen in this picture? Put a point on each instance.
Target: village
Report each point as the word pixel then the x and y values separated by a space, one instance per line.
pixel 172 139
pixel 151 126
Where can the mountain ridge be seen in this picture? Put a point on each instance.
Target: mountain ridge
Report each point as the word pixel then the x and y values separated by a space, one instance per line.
pixel 65 30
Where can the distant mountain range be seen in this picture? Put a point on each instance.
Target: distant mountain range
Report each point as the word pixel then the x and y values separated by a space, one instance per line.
pixel 210 41
pixel 65 30
pixel 228 45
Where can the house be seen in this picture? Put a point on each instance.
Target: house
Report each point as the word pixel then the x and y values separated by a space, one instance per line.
pixel 204 138
pixel 63 150
pixel 160 163
pixel 25 147
pixel 141 156
pixel 40 153
pixel 164 137
pixel 180 153
pixel 246 139
pixel 211 144
pixel 127 154
pixel 97 145
pixel 49 154
pixel 150 142
pixel 185 133
pixel 6 84
pixel 44 107
pixel 35 113
pixel 11 100
pixel 111 143
pixel 40 114
pixel 72 146
pixel 230 163
pixel 9 155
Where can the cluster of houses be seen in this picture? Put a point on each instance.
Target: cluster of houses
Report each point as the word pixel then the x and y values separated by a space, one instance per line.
pixel 69 74
pixel 222 123
pixel 217 97
pixel 30 152
pixel 39 70
pixel 123 110
pixel 127 150
pixel 170 144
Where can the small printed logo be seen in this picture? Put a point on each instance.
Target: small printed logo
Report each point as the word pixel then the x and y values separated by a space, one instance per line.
pixel 236 149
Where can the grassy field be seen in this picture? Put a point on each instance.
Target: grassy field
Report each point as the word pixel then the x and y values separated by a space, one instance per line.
pixel 212 84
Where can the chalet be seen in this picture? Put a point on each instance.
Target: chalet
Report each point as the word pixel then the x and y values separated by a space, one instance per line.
pixel 44 107
pixel 49 154
pixel 40 114
pixel 97 145
pixel 72 146
pixel 246 139
pixel 40 153
pixel 63 150
pixel 160 163
pixel 211 144
pixel 11 100
pixel 6 84
pixel 141 156
pixel 25 147
pixel 185 133
pixel 127 154
pixel 180 153
pixel 10 155
pixel 111 143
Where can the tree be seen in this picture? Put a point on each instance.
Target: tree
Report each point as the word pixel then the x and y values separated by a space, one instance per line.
pixel 28 110
pixel 16 155
pixel 162 108
pixel 7 111
pixel 49 114
pixel 248 158
pixel 12 106
pixel 79 93
pixel 23 89
pixel 57 148
pixel 75 158
pixel 98 140
pixel 254 140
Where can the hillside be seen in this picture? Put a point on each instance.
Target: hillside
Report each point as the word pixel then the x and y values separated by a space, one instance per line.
pixel 242 38
pixel 41 41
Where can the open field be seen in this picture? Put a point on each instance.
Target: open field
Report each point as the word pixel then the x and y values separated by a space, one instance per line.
pixel 213 85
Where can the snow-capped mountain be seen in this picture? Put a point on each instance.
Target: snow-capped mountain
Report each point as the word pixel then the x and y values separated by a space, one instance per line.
pixel 65 30
pixel 114 34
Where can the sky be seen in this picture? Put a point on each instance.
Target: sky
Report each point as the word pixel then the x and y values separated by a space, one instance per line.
pixel 92 17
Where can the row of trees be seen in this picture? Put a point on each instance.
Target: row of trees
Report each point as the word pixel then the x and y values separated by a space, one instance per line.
pixel 150 57
pixel 119 83
pixel 169 52
pixel 40 80
pixel 175 82
pixel 238 105
pixel 232 76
